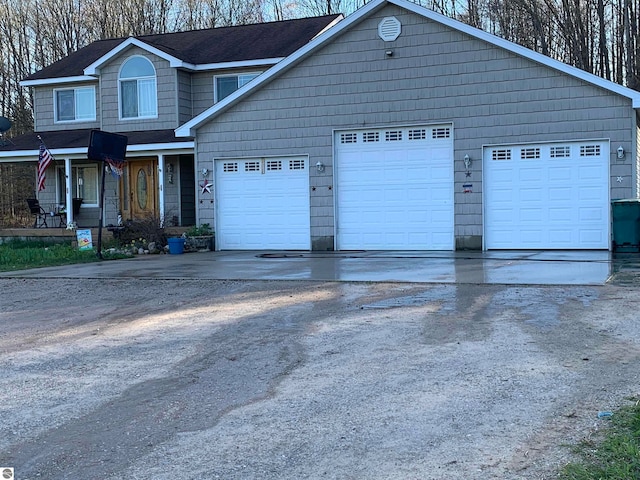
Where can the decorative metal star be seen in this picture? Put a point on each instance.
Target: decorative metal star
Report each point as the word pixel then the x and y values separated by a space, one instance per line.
pixel 619 179
pixel 205 186
pixel 467 173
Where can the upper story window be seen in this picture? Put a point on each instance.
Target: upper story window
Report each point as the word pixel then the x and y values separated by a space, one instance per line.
pixel 138 91
pixel 227 84
pixel 75 104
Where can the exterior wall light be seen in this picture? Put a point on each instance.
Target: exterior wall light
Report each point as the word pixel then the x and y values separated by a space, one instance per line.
pixel 620 152
pixel 320 167
pixel 170 173
pixel 205 172
pixel 467 162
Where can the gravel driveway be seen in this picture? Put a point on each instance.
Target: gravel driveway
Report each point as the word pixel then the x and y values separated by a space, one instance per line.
pixel 158 379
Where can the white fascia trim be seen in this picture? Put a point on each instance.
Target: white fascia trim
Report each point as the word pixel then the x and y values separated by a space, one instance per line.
pixel 54 81
pixel 22 155
pixel 338 19
pixel 32 155
pixel 190 127
pixel 94 68
pixel 160 146
pixel 522 51
pixel 228 65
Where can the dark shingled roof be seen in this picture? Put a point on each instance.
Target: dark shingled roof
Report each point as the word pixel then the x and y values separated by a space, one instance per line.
pixel 69 139
pixel 214 45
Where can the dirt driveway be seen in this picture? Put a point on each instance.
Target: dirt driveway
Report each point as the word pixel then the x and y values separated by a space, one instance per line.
pixel 158 379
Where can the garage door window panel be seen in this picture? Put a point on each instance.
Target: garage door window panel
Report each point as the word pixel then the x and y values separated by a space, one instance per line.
pixel 590 150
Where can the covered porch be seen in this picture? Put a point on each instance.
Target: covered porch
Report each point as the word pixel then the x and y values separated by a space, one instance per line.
pixel 158 181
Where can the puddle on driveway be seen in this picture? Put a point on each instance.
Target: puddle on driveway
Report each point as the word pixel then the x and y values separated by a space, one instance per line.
pixel 442 294
pixel 540 307
pixel 625 270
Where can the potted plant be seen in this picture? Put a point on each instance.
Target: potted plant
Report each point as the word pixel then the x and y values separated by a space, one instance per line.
pixel 200 237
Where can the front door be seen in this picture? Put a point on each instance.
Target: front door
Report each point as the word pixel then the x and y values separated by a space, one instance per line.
pixel 139 196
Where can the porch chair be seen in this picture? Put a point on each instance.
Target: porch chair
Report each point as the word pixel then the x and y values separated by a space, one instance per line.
pixel 38 212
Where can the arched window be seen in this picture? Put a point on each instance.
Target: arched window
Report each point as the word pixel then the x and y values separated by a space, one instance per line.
pixel 138 91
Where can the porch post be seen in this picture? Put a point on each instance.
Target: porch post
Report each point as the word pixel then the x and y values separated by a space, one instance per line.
pixel 161 167
pixel 68 190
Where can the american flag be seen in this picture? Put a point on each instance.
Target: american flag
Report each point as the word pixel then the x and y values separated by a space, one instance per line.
pixel 44 159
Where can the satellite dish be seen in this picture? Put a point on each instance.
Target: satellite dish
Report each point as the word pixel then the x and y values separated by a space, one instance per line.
pixel 5 124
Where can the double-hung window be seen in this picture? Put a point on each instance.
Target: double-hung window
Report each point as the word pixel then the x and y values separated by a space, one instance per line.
pixel 225 85
pixel 75 104
pixel 138 91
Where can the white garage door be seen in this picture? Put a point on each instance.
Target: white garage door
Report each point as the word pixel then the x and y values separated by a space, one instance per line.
pixel 549 196
pixel 263 204
pixel 395 189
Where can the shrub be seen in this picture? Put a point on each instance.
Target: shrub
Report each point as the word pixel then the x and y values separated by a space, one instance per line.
pixel 198 231
pixel 141 232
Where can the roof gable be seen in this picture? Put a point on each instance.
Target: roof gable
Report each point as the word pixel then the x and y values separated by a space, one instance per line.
pixel 259 43
pixel 188 129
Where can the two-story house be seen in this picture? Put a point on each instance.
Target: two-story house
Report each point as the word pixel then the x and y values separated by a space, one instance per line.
pixel 144 88
pixel 395 129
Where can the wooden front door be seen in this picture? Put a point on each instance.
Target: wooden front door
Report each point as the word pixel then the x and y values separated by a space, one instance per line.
pixel 140 189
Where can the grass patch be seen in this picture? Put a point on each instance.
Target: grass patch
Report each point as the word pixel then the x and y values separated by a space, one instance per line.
pixel 614 456
pixel 20 255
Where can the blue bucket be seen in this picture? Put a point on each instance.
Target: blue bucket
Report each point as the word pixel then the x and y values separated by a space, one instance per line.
pixel 176 245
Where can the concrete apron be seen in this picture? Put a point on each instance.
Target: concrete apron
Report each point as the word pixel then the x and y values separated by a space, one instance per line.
pixel 495 267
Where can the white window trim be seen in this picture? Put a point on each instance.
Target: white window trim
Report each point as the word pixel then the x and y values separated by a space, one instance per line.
pixel 227 75
pixel 75 90
pixel 155 78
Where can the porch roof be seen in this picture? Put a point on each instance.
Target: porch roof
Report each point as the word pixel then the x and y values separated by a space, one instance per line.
pixel 77 141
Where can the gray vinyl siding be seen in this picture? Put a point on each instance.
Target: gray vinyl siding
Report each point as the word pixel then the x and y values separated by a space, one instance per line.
pixel 166 81
pixel 185 103
pixel 436 75
pixel 44 110
pixel 202 88
pixel 171 191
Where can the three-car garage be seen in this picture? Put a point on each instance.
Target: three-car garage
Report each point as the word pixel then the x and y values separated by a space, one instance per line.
pixel 394 189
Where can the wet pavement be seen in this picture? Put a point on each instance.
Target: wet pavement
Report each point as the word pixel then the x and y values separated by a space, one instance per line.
pixel 465 267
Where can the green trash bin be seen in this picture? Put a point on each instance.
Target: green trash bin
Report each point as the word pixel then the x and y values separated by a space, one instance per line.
pixel 626 225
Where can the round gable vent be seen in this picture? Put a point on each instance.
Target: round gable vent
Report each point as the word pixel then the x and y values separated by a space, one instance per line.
pixel 389 29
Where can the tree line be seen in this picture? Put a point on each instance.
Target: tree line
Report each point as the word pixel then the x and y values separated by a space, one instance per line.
pixel 599 36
